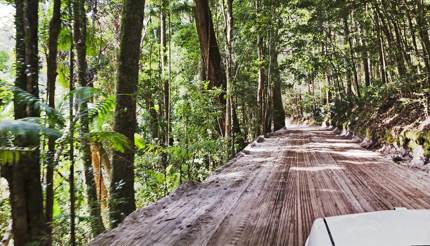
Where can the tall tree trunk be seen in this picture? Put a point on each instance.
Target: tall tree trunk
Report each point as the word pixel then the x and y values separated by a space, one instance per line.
pixel 381 51
pixel 149 100
pixel 54 31
pixel 211 56
pixel 166 88
pixel 386 28
pixel 122 201
pixel 72 193
pixel 261 80
pixel 229 25
pixel 364 55
pixel 164 71
pixel 424 34
pixel 278 107
pixel 80 35
pixel 351 54
pixel 28 219
pixel 268 117
pixel 412 30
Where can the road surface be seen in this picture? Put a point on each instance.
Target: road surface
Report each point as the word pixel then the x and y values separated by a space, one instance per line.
pixel 272 192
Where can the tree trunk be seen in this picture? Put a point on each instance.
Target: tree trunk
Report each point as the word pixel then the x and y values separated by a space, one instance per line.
pixel 54 31
pixel 164 72
pixel 72 193
pixel 122 201
pixel 28 219
pixel 214 71
pixel 385 26
pixel 80 34
pixel 381 51
pixel 351 54
pixel 166 89
pixel 261 80
pixel 229 119
pixel 424 35
pixel 364 56
pixel 149 101
pixel 278 107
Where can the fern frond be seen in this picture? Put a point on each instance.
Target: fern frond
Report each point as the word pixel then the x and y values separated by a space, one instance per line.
pixel 26 98
pixel 84 93
pixel 102 108
pixel 116 141
pixel 28 128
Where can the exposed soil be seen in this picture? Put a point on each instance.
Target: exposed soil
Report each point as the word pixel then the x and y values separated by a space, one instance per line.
pixel 272 192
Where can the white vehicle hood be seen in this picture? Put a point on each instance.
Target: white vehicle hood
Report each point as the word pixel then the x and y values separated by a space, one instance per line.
pixel 391 228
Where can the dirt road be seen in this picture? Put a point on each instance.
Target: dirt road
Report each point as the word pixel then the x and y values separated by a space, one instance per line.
pixel 271 194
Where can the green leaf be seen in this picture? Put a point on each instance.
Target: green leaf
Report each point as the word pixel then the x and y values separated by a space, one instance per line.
pixel 115 140
pixel 27 127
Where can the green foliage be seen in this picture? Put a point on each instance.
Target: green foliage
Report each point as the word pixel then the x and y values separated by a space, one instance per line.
pixel 26 133
pixel 102 108
pixel 4 210
pixel 28 99
pixel 27 128
pixel 6 97
pixel 11 155
pixel 4 59
pixel 114 140
pixel 196 151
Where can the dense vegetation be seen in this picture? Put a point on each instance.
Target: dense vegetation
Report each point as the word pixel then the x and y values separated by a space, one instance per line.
pixel 110 105
pixel 362 66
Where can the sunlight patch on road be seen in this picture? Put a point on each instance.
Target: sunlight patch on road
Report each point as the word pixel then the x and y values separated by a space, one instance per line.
pixel 358 153
pixel 328 190
pixel 331 145
pixel 316 168
pixel 230 175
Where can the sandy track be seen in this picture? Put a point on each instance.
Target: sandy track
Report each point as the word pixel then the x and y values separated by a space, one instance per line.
pixel 271 194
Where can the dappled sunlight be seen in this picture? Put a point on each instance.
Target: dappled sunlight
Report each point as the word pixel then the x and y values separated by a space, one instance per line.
pixel 338 140
pixel 230 175
pixel 349 162
pixel 263 149
pixel 328 190
pixel 331 145
pixel 358 154
pixel 262 159
pixel 317 168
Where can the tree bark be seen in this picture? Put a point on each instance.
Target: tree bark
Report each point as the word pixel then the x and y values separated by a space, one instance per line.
pixel 278 107
pixel 122 200
pixel 26 197
pixel 214 70
pixel 381 50
pixel 351 54
pixel 231 125
pixel 364 56
pixel 71 153
pixel 80 34
pixel 424 35
pixel 54 31
pixel 261 81
pixel 164 72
